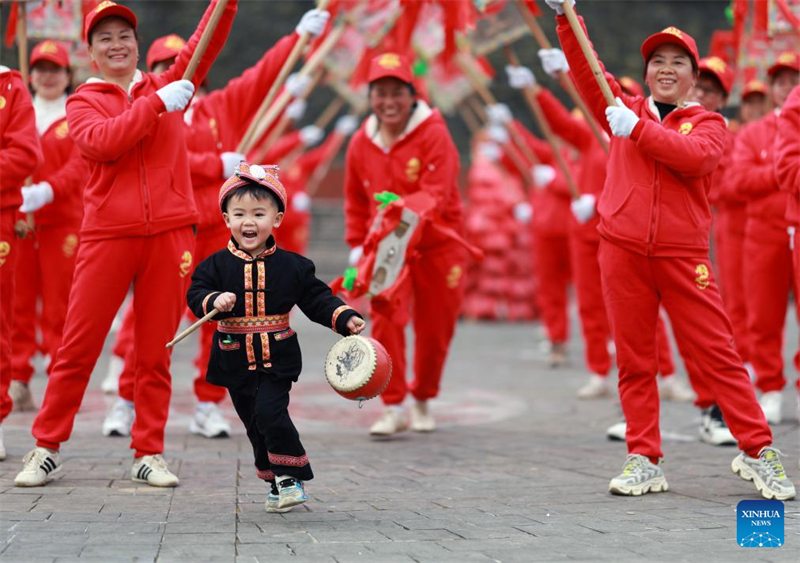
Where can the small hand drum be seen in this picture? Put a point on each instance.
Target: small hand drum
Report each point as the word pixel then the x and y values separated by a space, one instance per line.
pixel 358 368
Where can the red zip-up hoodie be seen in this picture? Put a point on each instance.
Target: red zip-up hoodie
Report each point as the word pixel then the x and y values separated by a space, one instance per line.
pixel 787 155
pixel 220 119
pixel 20 152
pixel 423 159
pixel 753 174
pixel 655 199
pixel 139 181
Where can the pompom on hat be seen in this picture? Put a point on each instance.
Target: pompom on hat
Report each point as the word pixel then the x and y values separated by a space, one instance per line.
pixel 264 175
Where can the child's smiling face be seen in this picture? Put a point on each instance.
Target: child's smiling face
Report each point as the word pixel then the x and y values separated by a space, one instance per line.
pixel 251 221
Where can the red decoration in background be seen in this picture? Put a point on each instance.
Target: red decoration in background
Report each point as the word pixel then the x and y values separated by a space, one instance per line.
pixel 11 28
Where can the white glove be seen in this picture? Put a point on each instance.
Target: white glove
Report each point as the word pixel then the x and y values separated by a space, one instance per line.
pixel 297 84
pixel 296 110
pixel 313 22
pixel 35 197
pixel 520 77
pixel 621 119
pixel 553 61
pixel 301 202
pixel 523 212
pixel 355 255
pixel 310 135
pixel 557 5
pixel 346 124
pixel 543 174
pixel 499 113
pixel 490 151
pixel 498 134
pixel 583 208
pixel 176 95
pixel 230 160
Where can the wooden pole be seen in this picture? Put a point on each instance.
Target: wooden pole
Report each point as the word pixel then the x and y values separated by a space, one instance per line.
pixel 329 113
pixel 468 118
pixel 192 328
pixel 544 125
pixel 26 226
pixel 205 38
pixel 278 131
pixel 594 64
pixel 563 77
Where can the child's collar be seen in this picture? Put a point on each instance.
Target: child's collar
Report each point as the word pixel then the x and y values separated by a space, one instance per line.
pixel 233 248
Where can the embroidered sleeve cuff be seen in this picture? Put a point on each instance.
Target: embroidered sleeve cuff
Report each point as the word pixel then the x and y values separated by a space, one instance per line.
pixel 208 302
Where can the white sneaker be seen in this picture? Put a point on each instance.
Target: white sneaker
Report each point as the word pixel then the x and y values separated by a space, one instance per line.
pixel 110 384
pixel 392 420
pixel 771 405
pixel 673 389
pixel 617 431
pixel 421 418
pixel 2 446
pixel 766 472
pixel 209 422
pixel 714 430
pixel 595 388
pixel 291 492
pixel 21 396
pixel 153 470
pixel 273 501
pixel 119 420
pixel 639 476
pixel 40 465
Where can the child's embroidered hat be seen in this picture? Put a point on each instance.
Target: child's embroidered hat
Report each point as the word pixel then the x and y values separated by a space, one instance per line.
pixel 262 175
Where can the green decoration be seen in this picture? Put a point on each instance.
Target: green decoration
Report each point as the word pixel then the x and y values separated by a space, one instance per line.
pixel 420 68
pixel 729 13
pixel 385 198
pixel 350 275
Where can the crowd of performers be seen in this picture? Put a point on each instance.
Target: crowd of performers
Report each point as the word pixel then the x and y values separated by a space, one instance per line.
pixel 135 180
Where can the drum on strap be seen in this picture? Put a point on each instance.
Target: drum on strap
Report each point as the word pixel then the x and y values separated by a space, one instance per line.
pixel 358 368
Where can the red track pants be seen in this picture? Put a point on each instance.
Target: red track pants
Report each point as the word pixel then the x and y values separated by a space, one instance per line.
pixel 104 271
pixel 768 278
pixel 432 297
pixel 730 257
pixel 44 270
pixel 634 287
pixel 8 259
pixel 552 271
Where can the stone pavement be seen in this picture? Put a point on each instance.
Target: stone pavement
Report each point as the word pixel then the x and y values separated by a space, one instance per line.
pixel 517 472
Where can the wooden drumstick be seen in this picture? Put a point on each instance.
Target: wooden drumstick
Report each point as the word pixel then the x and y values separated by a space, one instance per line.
pixel 205 38
pixel 192 328
pixel 594 64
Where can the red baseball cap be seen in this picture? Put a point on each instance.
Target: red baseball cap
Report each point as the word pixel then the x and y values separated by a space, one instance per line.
pixel 787 60
pixel 630 86
pixel 390 64
pixel 670 35
pixel 754 87
pixel 49 50
pixel 263 175
pixel 720 69
pixel 164 48
pixel 107 9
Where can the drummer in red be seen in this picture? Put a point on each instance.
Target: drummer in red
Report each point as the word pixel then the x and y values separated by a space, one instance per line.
pixel 405 147
pixel 137 229
pixel 655 222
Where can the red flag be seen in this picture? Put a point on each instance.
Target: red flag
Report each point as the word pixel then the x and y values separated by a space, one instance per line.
pixel 11 28
pixel 533 7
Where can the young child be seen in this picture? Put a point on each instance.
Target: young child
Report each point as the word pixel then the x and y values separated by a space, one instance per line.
pixel 255 354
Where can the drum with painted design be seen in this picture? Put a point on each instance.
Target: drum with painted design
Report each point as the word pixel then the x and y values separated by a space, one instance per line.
pixel 358 367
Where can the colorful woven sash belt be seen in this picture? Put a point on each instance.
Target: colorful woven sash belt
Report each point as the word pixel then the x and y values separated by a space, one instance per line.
pixel 249 325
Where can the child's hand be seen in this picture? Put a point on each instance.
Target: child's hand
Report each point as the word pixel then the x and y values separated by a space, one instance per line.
pixel 356 325
pixel 225 302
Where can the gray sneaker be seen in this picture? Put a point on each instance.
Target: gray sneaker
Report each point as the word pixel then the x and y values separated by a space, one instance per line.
pixel 639 477
pixel 766 472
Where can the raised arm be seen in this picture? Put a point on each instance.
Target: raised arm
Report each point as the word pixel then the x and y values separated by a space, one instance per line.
pixel 573 130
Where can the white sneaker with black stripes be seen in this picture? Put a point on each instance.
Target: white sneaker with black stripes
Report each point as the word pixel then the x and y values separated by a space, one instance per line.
pixel 40 465
pixel 153 470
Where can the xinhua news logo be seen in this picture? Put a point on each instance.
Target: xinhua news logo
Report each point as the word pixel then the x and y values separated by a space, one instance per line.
pixel 759 523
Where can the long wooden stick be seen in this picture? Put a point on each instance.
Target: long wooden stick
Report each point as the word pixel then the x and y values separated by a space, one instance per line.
pixel 544 125
pixel 465 112
pixel 329 113
pixel 192 328
pixel 27 226
pixel 563 77
pixel 594 64
pixel 205 38
pixel 278 131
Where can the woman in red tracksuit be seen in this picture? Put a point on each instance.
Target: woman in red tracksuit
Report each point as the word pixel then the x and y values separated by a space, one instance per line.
pixel 20 154
pixel 404 147
pixel 139 216
pixel 55 200
pixel 768 275
pixel 655 222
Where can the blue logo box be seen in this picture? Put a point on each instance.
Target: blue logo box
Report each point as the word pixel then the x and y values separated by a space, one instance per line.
pixel 759 523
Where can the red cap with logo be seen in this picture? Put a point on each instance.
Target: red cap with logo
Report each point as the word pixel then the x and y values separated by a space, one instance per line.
pixel 164 48
pixel 754 87
pixel 720 69
pixel 263 175
pixel 788 60
pixel 390 64
pixel 107 9
pixel 671 35
pixel 630 86
pixel 49 50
